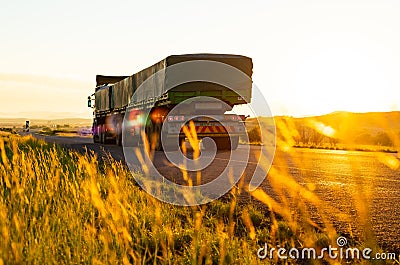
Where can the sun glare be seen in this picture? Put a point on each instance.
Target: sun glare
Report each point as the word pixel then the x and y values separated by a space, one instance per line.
pixel 322 128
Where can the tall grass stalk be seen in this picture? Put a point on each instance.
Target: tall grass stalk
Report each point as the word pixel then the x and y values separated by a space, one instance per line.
pixel 59 206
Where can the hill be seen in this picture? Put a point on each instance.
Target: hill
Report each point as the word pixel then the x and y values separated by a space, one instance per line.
pixel 372 128
pixel 19 122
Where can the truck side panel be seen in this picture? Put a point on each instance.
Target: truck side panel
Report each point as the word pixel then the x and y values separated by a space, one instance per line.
pixel 102 99
pixel 122 92
pixel 157 86
pixel 153 87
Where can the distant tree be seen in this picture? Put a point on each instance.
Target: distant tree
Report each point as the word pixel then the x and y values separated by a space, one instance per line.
pixel 254 135
pixel 333 141
pixel 383 139
pixel 364 138
pixel 308 136
pixel 317 138
pixel 304 136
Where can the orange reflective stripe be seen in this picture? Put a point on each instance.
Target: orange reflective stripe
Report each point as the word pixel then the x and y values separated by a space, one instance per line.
pixel 214 129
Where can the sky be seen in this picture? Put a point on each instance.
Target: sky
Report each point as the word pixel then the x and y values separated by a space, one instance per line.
pixel 310 57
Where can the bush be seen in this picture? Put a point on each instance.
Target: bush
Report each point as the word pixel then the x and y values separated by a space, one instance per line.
pixel 254 135
pixel 383 139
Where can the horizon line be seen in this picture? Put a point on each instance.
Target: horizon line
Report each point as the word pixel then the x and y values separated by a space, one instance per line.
pixel 279 115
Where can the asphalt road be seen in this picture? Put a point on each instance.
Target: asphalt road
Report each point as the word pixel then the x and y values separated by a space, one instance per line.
pixel 337 177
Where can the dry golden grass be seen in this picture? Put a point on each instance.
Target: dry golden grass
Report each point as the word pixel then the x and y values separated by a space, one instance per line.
pixel 58 206
pixel 62 207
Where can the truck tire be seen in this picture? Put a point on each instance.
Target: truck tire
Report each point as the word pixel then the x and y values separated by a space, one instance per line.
pixel 131 141
pixel 157 131
pixel 227 143
pixel 223 143
pixel 96 137
pixel 102 135
pixel 207 144
pixel 118 137
pixel 130 137
pixel 170 145
pixel 234 142
pixel 153 135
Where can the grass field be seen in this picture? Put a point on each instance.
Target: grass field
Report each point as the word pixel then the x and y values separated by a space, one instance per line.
pixel 376 132
pixel 58 206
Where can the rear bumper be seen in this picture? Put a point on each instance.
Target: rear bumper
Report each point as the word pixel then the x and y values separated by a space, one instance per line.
pixel 204 129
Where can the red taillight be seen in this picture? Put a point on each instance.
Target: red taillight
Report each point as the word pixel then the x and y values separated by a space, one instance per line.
pixel 232 118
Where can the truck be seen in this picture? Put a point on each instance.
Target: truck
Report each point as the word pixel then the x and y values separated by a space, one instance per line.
pixel 116 98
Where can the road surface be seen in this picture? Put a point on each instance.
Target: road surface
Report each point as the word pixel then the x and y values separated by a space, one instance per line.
pixel 337 177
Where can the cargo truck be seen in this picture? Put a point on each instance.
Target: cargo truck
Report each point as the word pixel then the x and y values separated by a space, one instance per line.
pixel 113 101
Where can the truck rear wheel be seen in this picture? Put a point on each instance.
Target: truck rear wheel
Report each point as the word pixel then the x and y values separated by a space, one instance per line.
pixel 102 134
pixel 207 144
pixel 157 137
pixel 170 145
pixel 227 143
pixel 153 133
pixel 234 142
pixel 96 136
pixel 223 143
pixel 118 138
pixel 132 141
